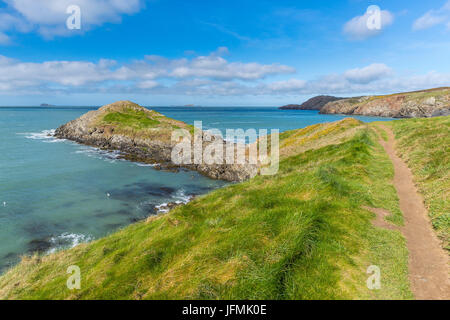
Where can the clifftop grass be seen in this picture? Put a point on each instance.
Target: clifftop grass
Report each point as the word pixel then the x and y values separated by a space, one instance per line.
pixel 301 234
pixel 410 96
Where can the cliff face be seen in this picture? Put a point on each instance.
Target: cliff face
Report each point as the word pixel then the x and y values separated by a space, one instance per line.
pixel 427 103
pixel 145 135
pixel 315 103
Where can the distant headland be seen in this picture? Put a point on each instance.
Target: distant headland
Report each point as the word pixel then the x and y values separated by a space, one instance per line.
pixel 417 104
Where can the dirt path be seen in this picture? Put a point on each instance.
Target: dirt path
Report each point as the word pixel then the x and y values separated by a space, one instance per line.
pixel 428 263
pixel 379 219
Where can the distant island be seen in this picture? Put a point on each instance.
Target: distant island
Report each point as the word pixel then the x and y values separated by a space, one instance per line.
pixel 47 105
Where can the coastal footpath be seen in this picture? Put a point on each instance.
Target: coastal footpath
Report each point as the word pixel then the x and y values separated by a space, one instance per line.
pixel 146 136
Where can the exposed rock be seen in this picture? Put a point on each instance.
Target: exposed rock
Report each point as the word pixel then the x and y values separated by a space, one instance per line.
pixel 427 103
pixel 315 103
pixel 149 145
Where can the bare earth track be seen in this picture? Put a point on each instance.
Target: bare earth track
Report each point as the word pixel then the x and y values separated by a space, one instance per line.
pixel 428 263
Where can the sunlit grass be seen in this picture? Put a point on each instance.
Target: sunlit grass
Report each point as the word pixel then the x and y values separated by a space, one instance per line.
pixel 131 118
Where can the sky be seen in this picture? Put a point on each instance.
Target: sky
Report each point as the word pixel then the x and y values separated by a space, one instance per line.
pixel 218 53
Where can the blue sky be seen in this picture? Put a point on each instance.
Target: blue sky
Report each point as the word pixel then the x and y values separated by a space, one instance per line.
pixel 218 52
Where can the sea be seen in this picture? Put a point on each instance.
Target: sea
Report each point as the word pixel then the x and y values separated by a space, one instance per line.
pixel 56 194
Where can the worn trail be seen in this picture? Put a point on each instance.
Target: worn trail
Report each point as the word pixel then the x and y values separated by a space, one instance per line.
pixel 428 262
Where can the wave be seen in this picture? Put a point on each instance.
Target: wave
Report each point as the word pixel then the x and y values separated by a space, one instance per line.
pixel 67 240
pixel 162 208
pixel 107 155
pixel 140 164
pixel 110 156
pixel 181 198
pixel 178 198
pixel 47 136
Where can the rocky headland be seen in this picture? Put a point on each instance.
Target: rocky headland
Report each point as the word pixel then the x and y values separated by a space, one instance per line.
pixel 418 104
pixel 145 135
pixel 315 103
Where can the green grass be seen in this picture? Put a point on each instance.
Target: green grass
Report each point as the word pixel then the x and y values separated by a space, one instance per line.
pixel 128 119
pixel 131 118
pixel 300 234
pixel 425 145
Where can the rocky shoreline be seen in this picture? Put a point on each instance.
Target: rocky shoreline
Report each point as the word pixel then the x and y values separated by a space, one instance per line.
pixel 89 131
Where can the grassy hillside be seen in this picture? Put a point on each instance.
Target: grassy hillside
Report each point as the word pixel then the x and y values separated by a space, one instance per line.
pixel 425 145
pixel 301 234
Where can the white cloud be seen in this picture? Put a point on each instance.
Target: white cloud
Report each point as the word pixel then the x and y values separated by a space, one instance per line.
pixel 287 86
pixel 148 84
pixel 218 68
pixel 428 20
pixel 48 17
pixel 4 39
pixel 11 22
pixel 357 28
pixel 433 18
pixel 368 74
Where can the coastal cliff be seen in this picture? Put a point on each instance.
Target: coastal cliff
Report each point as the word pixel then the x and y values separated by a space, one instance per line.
pixel 315 103
pixel 418 104
pixel 145 135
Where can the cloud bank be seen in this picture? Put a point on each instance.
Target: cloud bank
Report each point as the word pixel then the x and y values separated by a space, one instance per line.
pixel 210 75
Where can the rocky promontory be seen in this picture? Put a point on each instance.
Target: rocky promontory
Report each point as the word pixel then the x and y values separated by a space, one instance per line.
pixel 145 135
pixel 315 103
pixel 418 104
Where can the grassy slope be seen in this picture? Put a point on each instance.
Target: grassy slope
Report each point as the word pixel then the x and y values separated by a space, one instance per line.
pixel 416 96
pixel 425 145
pixel 300 234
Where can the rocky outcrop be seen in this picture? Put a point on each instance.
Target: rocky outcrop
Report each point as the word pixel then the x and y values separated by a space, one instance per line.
pixel 146 144
pixel 427 103
pixel 315 103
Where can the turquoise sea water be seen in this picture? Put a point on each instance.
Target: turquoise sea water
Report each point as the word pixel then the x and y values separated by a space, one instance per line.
pixel 56 193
